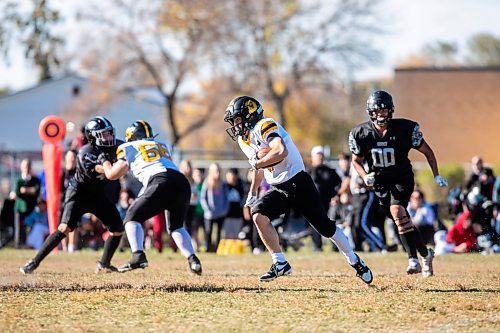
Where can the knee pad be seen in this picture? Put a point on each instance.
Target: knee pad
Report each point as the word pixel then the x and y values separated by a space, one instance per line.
pixel 404 225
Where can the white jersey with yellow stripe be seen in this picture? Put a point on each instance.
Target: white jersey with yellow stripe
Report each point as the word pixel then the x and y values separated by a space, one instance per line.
pixel 146 158
pixel 259 137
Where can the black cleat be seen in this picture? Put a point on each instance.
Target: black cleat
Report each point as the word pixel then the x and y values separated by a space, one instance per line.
pixel 100 268
pixel 363 271
pixel 277 269
pixel 138 261
pixel 194 264
pixel 29 267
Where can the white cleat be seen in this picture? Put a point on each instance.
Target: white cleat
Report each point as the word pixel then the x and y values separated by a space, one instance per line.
pixel 413 266
pixel 427 269
pixel 363 271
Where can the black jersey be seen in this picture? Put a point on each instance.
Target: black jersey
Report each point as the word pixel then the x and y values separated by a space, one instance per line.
pixel 387 155
pixel 327 181
pixel 85 166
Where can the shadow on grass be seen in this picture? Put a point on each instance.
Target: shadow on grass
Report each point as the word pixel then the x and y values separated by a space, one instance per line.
pixel 170 288
pixel 463 290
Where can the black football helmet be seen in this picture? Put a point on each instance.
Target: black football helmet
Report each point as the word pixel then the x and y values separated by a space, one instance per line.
pixel 380 100
pixel 248 109
pixel 139 130
pixel 96 130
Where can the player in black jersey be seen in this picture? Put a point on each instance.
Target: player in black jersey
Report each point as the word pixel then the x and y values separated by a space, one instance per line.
pixel 85 193
pixel 385 143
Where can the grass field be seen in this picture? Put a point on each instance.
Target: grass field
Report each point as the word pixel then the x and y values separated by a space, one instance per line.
pixel 322 295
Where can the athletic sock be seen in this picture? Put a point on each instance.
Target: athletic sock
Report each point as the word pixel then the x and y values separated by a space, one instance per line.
pixel 341 241
pixel 278 257
pixel 409 243
pixel 420 245
pixel 135 236
pixel 110 247
pixel 183 241
pixel 50 243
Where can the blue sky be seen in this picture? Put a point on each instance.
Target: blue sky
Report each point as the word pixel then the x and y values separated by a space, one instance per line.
pixel 412 24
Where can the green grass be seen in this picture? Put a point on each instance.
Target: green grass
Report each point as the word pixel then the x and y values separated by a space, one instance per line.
pixel 322 295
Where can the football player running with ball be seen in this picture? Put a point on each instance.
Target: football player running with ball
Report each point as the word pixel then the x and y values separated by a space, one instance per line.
pixel 291 186
pixel 164 188
pixel 85 193
pixel 384 143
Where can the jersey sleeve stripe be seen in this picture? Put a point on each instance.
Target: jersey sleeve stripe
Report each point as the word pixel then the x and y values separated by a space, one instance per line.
pixel 120 153
pixel 268 128
pixel 145 127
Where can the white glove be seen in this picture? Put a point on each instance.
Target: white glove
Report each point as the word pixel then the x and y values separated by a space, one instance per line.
pixel 253 161
pixel 442 182
pixel 369 179
pixel 251 199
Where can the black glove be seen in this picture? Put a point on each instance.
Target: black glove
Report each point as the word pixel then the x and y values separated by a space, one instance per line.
pixel 103 157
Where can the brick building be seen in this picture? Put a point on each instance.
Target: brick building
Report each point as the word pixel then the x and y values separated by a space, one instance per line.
pixel 458 110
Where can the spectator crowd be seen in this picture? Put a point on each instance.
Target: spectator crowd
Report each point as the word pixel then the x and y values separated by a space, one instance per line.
pixel 216 211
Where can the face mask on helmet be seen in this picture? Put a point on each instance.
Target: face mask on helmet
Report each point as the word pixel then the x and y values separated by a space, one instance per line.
pixel 242 114
pixel 100 132
pixel 139 130
pixel 377 103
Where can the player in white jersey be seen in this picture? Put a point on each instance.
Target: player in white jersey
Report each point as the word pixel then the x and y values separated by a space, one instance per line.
pixel 291 186
pixel 164 188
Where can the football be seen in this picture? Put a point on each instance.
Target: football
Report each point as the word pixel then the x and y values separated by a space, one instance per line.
pixel 262 152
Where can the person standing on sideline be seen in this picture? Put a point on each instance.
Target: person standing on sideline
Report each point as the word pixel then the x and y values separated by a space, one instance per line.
pixel 385 143
pixel 234 217
pixel 214 200
pixel 327 182
pixel 290 185
pixel 85 193
pixel 164 188
pixel 27 188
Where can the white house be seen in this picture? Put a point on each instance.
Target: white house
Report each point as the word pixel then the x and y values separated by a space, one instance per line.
pixel 22 111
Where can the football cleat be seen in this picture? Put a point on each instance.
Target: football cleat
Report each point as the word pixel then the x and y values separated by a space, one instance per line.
pixel 29 267
pixel 363 271
pixel 413 266
pixel 427 269
pixel 194 264
pixel 100 268
pixel 277 269
pixel 138 261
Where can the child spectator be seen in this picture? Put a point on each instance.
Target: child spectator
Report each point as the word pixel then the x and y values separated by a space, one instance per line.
pixel 460 238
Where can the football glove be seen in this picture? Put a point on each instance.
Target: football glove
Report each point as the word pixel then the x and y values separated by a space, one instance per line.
pixel 442 182
pixel 251 199
pixel 369 179
pixel 103 157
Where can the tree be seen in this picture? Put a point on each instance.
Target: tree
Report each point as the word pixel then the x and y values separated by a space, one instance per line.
pixel 282 46
pixel 484 50
pixel 165 45
pixel 441 53
pixel 34 31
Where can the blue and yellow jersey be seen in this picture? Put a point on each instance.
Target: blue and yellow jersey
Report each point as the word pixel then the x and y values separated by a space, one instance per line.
pixel 146 158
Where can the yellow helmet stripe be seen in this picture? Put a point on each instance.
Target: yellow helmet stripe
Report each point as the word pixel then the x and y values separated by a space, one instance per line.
pixel 145 127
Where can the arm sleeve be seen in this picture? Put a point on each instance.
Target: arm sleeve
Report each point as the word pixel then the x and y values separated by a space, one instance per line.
pixel 354 144
pixel 417 138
